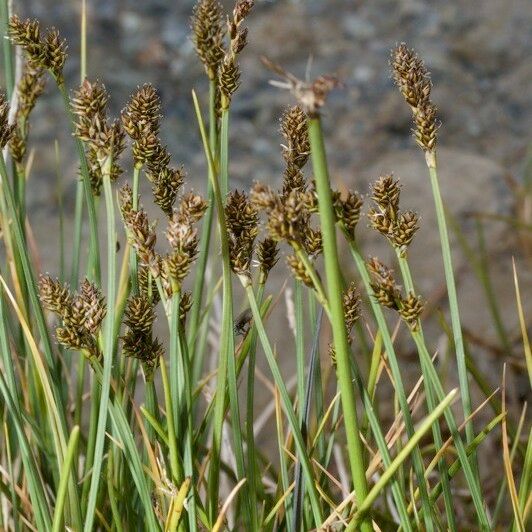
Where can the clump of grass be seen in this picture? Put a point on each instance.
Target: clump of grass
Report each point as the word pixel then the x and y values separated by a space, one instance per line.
pixel 161 437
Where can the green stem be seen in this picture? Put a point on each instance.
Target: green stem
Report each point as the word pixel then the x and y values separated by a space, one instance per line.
pixel 224 153
pixel 334 289
pixel 78 222
pixel 205 239
pixel 6 45
pixel 435 392
pixel 254 486
pixel 175 466
pixel 227 350
pixel 431 396
pixel 399 459
pixel 108 355
pixel 132 253
pixel 398 379
pixel 287 405
pixel 66 471
pixel 453 303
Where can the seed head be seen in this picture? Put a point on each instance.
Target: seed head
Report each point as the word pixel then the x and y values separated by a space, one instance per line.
pixel 143 238
pixel 208 33
pixel 89 105
pixel 425 132
pixel 405 229
pixel 385 290
pixel 351 302
pixel 25 33
pixel 385 193
pixel 229 80
pixel 381 222
pixel 71 338
pixel 176 266
pixel 410 310
pixel 185 304
pixel 54 296
pixel 267 256
pixel 139 314
pixel 145 348
pixel 145 146
pixel 81 313
pixel 294 128
pixel 410 76
pixel 55 54
pixel 17 146
pixel 242 225
pixel 93 305
pixel 289 219
pixel 143 109
pixel 159 159
pixel 313 241
pixel 348 211
pixel 182 235
pixel 125 200
pixel 242 9
pixel 192 207
pixel 90 99
pixel 6 130
pixel 166 187
pixel 47 52
pixel 29 88
pixel 298 270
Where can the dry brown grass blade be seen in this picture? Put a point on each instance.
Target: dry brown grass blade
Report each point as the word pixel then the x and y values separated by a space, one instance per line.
pixel 221 517
pixel 512 490
pixel 522 323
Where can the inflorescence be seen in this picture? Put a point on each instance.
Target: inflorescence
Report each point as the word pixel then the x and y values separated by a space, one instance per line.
pixel 413 80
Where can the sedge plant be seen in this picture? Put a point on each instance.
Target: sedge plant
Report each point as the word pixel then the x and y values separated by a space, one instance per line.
pixel 106 426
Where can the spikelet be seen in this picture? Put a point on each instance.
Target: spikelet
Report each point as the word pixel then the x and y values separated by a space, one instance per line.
pixel 46 51
pixel 267 257
pixel 298 270
pixel 411 309
pixel 208 33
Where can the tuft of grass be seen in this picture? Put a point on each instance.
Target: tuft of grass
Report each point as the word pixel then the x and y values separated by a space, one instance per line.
pixel 105 426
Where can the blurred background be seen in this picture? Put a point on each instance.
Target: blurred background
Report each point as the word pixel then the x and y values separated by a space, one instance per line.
pixel 479 54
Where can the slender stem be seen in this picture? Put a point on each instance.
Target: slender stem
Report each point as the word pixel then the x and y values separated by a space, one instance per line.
pixel 132 254
pixel 399 459
pixel 398 379
pixel 175 466
pixel 431 396
pixel 453 302
pixel 66 471
pixel 435 392
pixel 78 221
pixel 250 418
pixel 206 230
pixel 226 342
pixel 287 405
pixel 334 289
pixel 224 153
pixel 9 71
pixel 300 347
pixel 189 450
pixel 108 355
